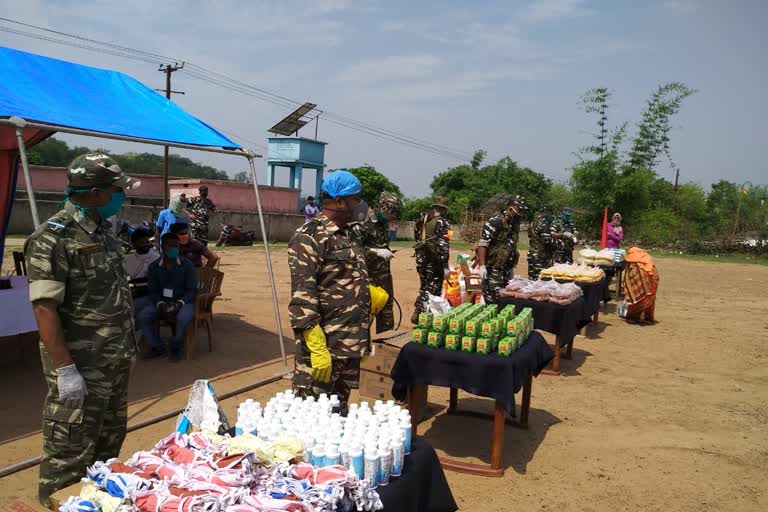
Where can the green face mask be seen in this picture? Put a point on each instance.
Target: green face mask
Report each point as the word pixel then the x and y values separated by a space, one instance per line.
pixel 171 252
pixel 105 211
pixel 566 217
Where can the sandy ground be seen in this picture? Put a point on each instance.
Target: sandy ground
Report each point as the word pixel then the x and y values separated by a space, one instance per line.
pixel 665 417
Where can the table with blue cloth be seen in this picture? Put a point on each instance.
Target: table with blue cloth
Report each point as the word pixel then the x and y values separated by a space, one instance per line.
pixel 562 320
pixel 488 375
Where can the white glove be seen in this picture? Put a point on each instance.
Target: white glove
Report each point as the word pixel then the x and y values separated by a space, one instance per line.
pixel 71 386
pixel 575 240
pixel 446 272
pixel 481 271
pixel 383 253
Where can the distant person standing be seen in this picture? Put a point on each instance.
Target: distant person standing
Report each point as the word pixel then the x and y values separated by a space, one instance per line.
pixel 174 214
pixel 310 210
pixel 200 209
pixel 615 232
pixel 432 233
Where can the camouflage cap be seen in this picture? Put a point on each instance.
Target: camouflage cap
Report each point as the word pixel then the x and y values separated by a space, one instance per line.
pixel 98 170
pixel 518 201
pixel 389 203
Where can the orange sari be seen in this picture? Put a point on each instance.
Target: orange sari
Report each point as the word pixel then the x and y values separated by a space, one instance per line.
pixel 640 283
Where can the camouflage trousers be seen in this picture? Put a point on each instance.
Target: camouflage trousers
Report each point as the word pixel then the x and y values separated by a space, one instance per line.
pixel 431 277
pixel 385 319
pixel 199 231
pixel 345 376
pixel 563 256
pixel 495 278
pixel 538 261
pixel 75 438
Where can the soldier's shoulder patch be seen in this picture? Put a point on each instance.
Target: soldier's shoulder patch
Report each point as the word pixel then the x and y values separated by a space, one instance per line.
pixel 59 222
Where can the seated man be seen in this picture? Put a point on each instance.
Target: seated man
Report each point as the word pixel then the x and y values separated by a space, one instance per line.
pixel 137 264
pixel 172 286
pixel 192 249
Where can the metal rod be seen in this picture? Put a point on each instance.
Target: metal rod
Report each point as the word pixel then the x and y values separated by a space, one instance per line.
pixel 27 177
pixel 269 264
pixel 25 464
pixel 153 142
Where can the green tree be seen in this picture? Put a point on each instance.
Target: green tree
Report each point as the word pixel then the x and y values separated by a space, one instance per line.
pixel 57 153
pixel 478 158
pixel 652 139
pixel 413 207
pixel 467 187
pixel 559 196
pixel 374 183
pixel 691 203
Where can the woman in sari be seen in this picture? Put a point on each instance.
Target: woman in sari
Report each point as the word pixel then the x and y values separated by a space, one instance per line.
pixel 640 283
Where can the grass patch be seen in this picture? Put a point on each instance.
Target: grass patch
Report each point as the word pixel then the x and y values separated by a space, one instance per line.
pixel 722 258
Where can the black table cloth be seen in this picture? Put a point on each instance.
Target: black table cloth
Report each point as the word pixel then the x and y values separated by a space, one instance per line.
pixel 594 295
pixel 488 375
pixel 563 320
pixel 422 486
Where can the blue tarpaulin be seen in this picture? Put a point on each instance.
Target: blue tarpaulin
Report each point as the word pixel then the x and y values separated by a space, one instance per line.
pixel 57 92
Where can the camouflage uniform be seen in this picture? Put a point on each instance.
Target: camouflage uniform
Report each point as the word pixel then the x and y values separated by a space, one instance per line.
pixel 375 235
pixel 432 253
pixel 78 264
pixel 564 250
pixel 329 288
pixel 201 207
pixel 499 236
pixel 541 246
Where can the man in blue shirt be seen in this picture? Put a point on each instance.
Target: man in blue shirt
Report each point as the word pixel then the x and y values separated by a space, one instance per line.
pixel 172 285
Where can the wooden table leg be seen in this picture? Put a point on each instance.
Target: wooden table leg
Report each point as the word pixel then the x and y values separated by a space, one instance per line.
pixel 416 394
pixel 454 400
pixel 618 284
pixel 596 317
pixel 497 441
pixel 555 370
pixel 526 405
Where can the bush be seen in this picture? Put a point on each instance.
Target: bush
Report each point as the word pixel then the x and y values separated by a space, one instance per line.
pixel 660 226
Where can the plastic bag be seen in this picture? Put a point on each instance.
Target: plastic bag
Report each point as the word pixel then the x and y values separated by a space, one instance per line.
pixel 203 411
pixel 437 305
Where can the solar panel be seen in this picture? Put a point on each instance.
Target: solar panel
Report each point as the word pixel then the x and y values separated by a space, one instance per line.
pixel 294 121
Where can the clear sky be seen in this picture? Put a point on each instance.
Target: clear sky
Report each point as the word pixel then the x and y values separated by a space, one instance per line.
pixel 498 75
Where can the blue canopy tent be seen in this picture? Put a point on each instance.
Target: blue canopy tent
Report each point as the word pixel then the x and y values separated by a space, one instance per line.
pixel 40 96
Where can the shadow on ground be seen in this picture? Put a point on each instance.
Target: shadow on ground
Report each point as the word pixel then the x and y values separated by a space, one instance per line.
pixel 460 436
pixel 236 344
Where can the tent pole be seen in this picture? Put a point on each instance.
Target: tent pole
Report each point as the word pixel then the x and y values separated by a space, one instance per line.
pixel 27 177
pixel 269 263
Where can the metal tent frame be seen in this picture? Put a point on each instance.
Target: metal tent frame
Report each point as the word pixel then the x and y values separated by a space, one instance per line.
pixel 20 124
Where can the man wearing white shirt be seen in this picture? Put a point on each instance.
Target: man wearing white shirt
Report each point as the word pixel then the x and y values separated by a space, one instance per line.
pixel 137 264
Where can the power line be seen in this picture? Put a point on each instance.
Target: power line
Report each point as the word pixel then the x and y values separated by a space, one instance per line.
pixel 237 86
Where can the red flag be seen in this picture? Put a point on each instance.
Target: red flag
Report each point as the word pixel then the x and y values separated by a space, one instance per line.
pixel 604 235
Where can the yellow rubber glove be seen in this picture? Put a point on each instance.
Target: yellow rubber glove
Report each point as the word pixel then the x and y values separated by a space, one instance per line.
pixel 379 298
pixel 318 353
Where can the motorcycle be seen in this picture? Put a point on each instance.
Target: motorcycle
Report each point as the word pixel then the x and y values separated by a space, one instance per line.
pixel 231 235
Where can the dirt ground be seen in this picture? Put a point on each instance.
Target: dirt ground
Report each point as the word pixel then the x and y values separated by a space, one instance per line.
pixel 665 417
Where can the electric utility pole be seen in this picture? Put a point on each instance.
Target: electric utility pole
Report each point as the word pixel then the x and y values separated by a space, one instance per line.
pixel 168 69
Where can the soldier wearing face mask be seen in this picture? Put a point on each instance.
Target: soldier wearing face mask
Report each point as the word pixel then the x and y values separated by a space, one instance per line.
pixel 82 303
pixel 543 238
pixel 497 253
pixel 330 299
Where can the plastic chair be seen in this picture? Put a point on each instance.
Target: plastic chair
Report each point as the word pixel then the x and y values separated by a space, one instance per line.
pixel 209 282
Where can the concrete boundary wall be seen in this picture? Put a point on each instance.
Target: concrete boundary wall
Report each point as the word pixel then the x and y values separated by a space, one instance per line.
pixel 279 226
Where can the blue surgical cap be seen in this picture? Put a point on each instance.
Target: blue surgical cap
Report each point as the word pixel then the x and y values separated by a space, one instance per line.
pixel 342 183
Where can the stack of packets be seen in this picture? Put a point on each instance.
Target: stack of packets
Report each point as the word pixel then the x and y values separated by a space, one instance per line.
pixel 476 328
pixel 573 272
pixel 603 258
pixel 542 291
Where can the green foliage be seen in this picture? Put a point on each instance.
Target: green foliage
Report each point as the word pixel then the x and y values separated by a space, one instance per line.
pixel 412 207
pixel 559 196
pixel 374 183
pixel 467 187
pixel 57 153
pixel 691 203
pixel 652 139
pixel 657 226
pixel 478 158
